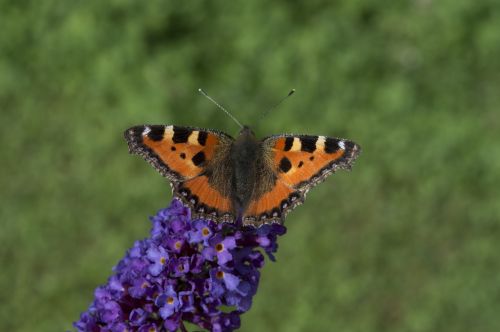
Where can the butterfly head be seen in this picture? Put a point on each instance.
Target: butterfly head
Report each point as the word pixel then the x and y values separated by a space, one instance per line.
pixel 246 132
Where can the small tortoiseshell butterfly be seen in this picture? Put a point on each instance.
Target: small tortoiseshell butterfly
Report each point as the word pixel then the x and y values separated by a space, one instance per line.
pixel 224 179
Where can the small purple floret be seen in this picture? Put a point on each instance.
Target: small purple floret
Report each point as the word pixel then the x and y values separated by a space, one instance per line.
pixel 167 302
pixel 193 271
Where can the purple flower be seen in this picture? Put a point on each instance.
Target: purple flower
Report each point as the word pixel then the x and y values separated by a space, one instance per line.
pixel 111 311
pixel 196 263
pixel 137 317
pixel 220 247
pixel 175 244
pixel 187 270
pixel 159 259
pixel 186 299
pixel 180 266
pixel 139 288
pixel 221 277
pixel 202 232
pixel 167 302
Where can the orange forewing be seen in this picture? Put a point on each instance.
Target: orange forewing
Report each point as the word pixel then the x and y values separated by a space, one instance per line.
pixel 178 156
pixel 304 165
pixel 303 168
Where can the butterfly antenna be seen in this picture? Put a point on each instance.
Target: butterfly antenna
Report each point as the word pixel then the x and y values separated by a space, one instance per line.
pixel 277 104
pixel 220 106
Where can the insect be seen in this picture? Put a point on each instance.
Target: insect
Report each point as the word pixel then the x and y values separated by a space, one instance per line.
pixel 227 180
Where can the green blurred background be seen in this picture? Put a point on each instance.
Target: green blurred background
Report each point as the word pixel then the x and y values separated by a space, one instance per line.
pixel 407 241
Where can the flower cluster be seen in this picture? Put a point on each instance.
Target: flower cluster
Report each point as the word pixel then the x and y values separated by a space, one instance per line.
pixel 186 271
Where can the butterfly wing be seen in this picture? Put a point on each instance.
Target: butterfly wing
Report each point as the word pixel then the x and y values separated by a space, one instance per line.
pixel 298 163
pixel 194 160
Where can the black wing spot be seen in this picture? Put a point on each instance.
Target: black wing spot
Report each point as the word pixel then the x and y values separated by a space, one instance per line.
pixel 202 137
pixel 300 164
pixel 181 135
pixel 308 144
pixel 311 158
pixel 198 158
pixel 156 133
pixel 288 143
pixel 331 145
pixel 285 164
pixel 173 148
pixel 183 155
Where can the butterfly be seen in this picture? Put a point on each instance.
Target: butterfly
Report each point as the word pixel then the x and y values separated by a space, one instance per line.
pixel 244 179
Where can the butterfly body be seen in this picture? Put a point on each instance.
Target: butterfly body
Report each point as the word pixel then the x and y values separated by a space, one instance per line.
pixel 225 179
pixel 245 159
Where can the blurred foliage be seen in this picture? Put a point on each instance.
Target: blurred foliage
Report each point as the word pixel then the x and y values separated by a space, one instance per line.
pixel 408 241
